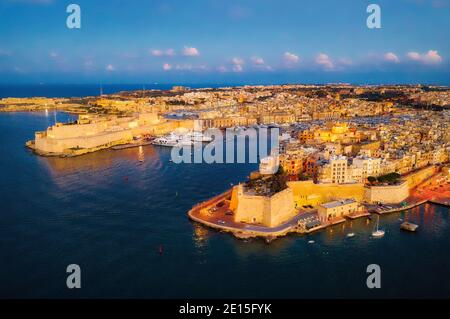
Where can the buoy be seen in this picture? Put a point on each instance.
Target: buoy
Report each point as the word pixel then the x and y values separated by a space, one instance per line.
pixel 161 249
pixel 125 178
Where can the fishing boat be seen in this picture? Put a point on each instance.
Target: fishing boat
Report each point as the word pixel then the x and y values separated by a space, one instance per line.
pixel 378 232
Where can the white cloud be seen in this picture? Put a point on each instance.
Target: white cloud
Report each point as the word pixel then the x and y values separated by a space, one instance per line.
pixel 54 54
pixel 345 62
pixel 238 64
pixel 431 57
pixel 170 52
pixel 257 60
pixel 324 60
pixel 190 67
pixel 237 61
pixel 291 58
pixel 222 69
pixel 391 57
pixel 167 67
pixel 158 53
pixel 190 51
pixel 238 68
pixel 414 56
pixel 183 67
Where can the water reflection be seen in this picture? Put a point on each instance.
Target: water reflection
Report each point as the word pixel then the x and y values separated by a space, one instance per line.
pixel 100 160
pixel 201 235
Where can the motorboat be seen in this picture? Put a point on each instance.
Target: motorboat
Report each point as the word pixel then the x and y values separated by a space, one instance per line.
pixel 199 137
pixel 173 140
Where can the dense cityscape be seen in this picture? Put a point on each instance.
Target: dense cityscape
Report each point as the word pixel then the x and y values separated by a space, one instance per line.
pixel 344 151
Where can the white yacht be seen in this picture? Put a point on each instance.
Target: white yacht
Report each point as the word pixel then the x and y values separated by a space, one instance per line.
pixel 284 137
pixel 198 137
pixel 172 140
pixel 169 140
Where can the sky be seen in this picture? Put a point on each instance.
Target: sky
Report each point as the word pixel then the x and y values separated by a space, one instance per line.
pixel 230 42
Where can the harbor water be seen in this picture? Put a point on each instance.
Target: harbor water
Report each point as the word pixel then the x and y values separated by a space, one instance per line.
pixel 121 215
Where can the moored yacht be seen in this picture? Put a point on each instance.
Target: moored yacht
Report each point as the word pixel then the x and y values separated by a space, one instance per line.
pixel 198 137
pixel 172 140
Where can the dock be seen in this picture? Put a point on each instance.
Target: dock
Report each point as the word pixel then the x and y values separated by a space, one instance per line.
pixel 131 145
pixel 357 215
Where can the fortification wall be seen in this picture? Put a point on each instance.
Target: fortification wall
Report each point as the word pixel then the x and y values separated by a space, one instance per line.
pixel 308 193
pixel 50 145
pixel 394 194
pixel 418 177
pixel 269 211
pixel 282 208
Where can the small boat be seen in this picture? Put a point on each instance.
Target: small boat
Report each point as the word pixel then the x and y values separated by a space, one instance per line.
pixel 409 226
pixel 378 232
pixel 350 235
pixel 311 242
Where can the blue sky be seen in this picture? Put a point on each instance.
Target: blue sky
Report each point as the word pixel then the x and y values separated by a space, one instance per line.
pixel 216 41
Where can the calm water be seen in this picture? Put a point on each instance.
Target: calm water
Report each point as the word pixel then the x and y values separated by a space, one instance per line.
pixel 55 212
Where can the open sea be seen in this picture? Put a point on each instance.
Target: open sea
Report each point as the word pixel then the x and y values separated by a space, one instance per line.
pixel 110 212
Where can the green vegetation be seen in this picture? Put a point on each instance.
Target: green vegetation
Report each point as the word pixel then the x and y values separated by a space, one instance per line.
pixel 269 185
pixel 391 178
pixel 303 177
pixel 372 179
